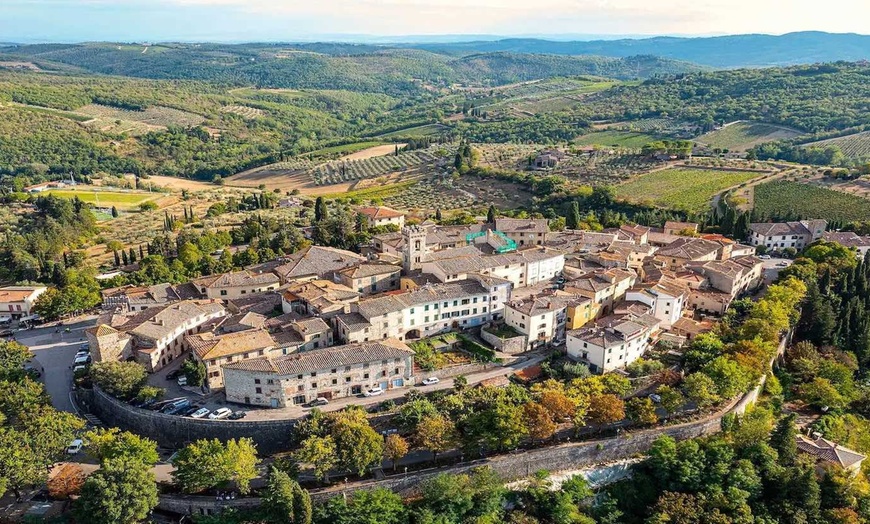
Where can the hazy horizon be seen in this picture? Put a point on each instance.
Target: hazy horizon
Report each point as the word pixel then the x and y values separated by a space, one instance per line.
pixel 235 21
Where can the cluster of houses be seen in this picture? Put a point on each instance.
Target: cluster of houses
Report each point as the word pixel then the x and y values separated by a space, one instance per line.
pixel 330 323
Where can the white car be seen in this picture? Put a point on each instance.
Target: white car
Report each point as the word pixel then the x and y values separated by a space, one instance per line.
pixel 79 368
pixel 200 413
pixel 82 360
pixel 182 380
pixel 220 413
pixel 374 392
pixel 431 380
pixel 764 257
pixel 75 446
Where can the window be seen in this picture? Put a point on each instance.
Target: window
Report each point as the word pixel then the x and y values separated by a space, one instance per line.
pixel 223 292
pixel 299 377
pixel 259 391
pixel 412 311
pixel 334 381
pixel 445 304
pixel 396 371
pixel 256 381
pixel 314 385
pixel 426 308
pixel 386 325
pixel 475 300
pixel 347 368
pixel 365 375
pixel 333 370
pixel 313 373
pixel 346 380
pixel 270 382
pixel 426 319
pixel 464 302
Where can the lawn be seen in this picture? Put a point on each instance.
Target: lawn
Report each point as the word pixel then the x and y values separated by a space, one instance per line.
pixel 627 139
pixel 121 200
pixel 686 189
pixel 745 135
pixel 791 200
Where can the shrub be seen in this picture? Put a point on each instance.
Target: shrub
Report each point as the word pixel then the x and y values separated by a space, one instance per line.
pixel 120 379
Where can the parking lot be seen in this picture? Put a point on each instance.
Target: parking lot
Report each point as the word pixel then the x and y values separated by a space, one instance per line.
pixel 54 350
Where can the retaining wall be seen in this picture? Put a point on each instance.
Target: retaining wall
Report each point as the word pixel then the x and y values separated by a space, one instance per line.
pixel 271 436
pixel 511 346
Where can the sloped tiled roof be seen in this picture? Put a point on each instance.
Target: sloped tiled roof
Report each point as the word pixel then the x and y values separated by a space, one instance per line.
pixel 326 358
pixel 208 346
pixel 376 213
pixel 829 451
pixel 317 261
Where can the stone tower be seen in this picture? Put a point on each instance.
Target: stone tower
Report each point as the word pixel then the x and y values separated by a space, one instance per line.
pixel 414 248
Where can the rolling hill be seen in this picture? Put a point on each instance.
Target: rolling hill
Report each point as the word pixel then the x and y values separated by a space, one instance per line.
pixel 723 51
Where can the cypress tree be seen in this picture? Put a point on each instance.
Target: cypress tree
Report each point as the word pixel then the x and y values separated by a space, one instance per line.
pixel 117 258
pixel 572 221
pixel 783 439
pixel 124 258
pixel 490 215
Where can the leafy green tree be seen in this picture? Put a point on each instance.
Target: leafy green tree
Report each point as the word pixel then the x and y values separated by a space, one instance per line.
pixel 13 356
pixel 209 463
pixel 285 501
pixel 539 422
pixel 671 398
pixel 120 492
pixel 111 444
pixel 358 447
pixel 701 390
pixel 784 440
pixel 195 371
pixel 641 410
pixel 377 506
pixel 320 453
pixel 120 379
pixel 730 378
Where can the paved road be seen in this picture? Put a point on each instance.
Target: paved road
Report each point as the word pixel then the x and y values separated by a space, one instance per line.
pixel 54 353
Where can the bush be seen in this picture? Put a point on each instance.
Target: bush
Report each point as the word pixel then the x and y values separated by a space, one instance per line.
pixel 642 367
pixel 148 206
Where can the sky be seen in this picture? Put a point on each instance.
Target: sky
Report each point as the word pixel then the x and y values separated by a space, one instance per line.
pixel 299 20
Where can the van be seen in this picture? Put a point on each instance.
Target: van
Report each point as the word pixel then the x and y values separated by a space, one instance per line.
pixel 75 447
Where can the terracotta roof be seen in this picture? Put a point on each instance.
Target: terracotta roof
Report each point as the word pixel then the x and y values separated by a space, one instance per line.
pixel 376 213
pixel 689 248
pixel 317 261
pixel 369 270
pixel 159 321
pixel 522 225
pixel 18 293
pixel 236 279
pixel 209 346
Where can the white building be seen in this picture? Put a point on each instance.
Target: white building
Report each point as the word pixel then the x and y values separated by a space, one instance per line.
pixel 17 301
pixel 541 319
pixel 382 216
pixel 667 300
pixel 780 235
pixel 609 347
pixel 425 311
pixel 229 286
pixel 522 268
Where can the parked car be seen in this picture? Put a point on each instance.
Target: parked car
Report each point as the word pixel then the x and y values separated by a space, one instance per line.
pixel 764 257
pixel 182 380
pixel 82 360
pixel 176 407
pixel 6 333
pixel 32 371
pixel 86 347
pixel 82 354
pixel 237 415
pixel 78 368
pixel 374 392
pixel 200 413
pixel 655 398
pixel 172 375
pixel 220 413
pixel 163 403
pixel 319 401
pixel 782 264
pixel 75 447
pixel 431 380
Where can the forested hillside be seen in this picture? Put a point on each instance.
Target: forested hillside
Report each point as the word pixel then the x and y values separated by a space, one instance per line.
pixel 376 70
pixel 722 51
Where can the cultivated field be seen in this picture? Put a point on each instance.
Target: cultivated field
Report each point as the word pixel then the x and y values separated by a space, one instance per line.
pixel 853 146
pixel 177 184
pixel 428 195
pixel 681 188
pixel 119 199
pixel 372 152
pixel 417 132
pixel 782 199
pixel 115 120
pixel 247 112
pixel 740 136
pixel 618 139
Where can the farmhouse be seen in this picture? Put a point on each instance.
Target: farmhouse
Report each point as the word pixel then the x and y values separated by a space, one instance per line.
pixel 317 297
pixel 16 302
pixel 382 216
pixel 667 300
pixel 680 228
pixel 679 253
pixel 332 373
pixel 780 235
pixel 525 232
pixel 542 319
pixel 522 268
pixel 216 350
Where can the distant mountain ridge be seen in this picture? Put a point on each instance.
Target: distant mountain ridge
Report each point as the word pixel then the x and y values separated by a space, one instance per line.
pixel 750 50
